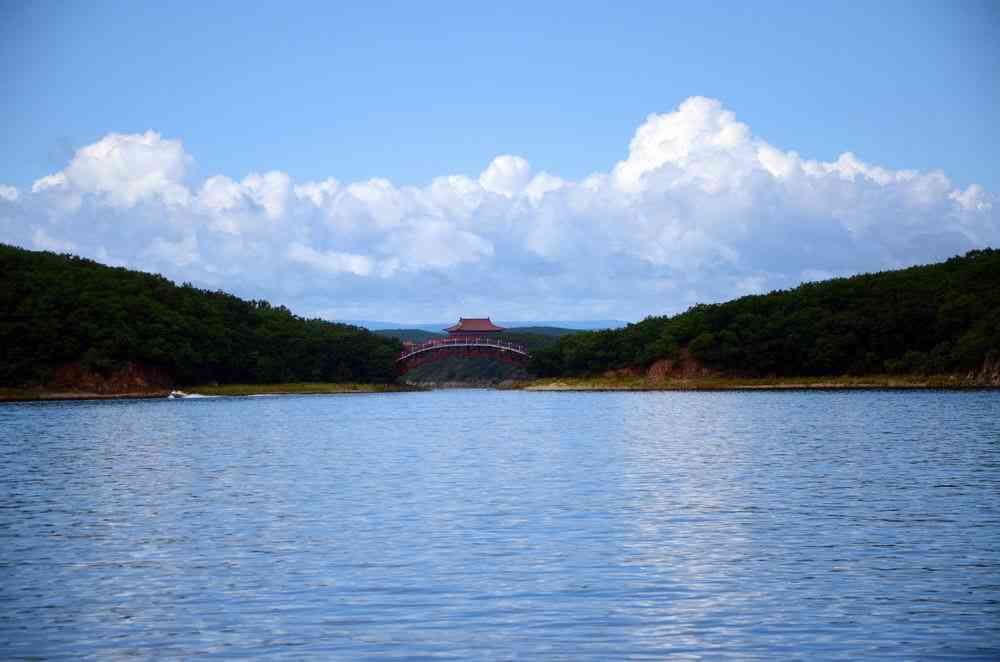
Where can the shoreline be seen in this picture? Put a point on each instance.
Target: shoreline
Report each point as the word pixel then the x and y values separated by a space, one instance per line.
pixel 296 388
pixel 232 390
pixel 42 395
pixel 843 383
pixel 594 384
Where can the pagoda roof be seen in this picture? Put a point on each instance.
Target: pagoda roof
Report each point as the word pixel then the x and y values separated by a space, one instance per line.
pixel 474 325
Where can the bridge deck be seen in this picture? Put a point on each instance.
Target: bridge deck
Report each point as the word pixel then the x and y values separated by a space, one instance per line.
pixel 467 341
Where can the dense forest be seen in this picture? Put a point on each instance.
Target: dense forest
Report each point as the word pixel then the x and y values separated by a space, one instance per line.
pixel 56 309
pixel 408 335
pixel 932 319
pixel 466 370
pixel 60 309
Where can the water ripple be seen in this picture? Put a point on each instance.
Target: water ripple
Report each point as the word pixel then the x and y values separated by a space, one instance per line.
pixel 490 524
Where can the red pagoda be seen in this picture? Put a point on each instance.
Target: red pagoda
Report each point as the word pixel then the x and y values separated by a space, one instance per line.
pixel 474 326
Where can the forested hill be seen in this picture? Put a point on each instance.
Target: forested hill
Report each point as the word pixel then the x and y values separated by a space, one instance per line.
pixel 934 319
pixel 56 309
pixel 408 335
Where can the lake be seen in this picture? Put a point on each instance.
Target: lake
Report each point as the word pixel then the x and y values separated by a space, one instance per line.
pixel 504 524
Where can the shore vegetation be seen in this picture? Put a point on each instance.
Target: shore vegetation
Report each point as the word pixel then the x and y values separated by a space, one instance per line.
pixel 718 383
pixel 926 320
pixel 65 319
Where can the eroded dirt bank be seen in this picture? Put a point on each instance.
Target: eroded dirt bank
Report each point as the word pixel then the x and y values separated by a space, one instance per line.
pixel 74 381
pixel 685 373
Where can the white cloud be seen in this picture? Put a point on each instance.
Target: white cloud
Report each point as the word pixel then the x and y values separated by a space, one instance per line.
pixel 541 184
pixel 974 198
pixel 700 209
pixel 506 175
pixel 435 244
pixel 332 261
pixel 125 169
pixel 779 164
pixel 700 144
pixel 454 195
pixel 219 194
pixel 56 181
pixel 238 207
pixel 8 193
pixel 318 193
pixel 269 191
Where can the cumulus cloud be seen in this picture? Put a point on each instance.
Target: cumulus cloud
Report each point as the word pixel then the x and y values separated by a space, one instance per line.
pixel 506 175
pixel 49 182
pixel 331 261
pixel 700 144
pixel 700 209
pixel 124 169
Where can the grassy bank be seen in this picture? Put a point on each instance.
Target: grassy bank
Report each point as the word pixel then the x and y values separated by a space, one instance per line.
pixel 298 388
pixel 37 394
pixel 555 384
pixel 733 383
pixel 302 388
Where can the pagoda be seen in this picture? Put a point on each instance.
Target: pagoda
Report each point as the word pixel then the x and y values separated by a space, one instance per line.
pixel 474 326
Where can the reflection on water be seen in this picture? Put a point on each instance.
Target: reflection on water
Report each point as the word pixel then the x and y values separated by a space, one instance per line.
pixel 504 524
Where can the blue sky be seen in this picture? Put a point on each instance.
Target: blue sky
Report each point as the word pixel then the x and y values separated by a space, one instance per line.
pixel 410 92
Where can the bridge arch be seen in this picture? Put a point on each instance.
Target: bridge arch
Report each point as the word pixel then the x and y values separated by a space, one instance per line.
pixel 414 355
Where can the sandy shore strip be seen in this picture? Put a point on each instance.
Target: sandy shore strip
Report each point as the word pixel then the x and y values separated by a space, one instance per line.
pixel 36 395
pixel 756 384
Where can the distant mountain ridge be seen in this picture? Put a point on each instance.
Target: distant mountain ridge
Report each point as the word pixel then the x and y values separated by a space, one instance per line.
pixel 530 335
pixel 577 325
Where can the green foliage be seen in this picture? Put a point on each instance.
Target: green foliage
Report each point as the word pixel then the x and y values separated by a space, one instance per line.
pixel 530 340
pixel 60 308
pixel 555 331
pixel 465 369
pixel 409 335
pixel 924 320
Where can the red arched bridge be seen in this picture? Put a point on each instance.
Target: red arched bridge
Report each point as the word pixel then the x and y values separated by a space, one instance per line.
pixel 414 355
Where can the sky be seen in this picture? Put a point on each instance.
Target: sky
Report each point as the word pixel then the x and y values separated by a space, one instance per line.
pixel 425 161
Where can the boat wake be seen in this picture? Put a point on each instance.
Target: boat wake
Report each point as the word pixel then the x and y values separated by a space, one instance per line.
pixel 177 395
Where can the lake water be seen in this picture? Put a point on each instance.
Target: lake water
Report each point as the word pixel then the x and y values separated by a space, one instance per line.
pixel 492 524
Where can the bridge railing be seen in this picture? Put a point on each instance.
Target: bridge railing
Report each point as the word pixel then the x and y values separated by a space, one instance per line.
pixel 462 341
